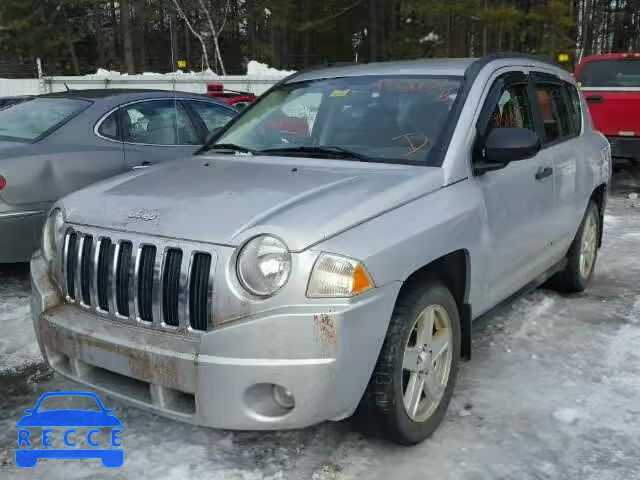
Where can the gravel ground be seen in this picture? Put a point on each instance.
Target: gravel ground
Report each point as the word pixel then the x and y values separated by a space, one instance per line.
pixel 551 393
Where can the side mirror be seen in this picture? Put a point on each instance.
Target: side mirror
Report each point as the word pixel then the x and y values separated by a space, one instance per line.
pixel 506 145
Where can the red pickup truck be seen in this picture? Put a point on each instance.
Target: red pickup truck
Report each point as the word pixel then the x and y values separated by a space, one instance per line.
pixel 611 86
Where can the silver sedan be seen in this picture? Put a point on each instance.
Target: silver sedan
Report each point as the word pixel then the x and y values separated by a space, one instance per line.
pixel 54 144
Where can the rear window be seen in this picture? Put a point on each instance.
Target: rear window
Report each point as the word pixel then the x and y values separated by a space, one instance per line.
pixel 27 121
pixel 611 73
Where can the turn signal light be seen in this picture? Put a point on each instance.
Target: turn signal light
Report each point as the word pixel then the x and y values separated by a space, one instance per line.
pixel 3 182
pixel 338 276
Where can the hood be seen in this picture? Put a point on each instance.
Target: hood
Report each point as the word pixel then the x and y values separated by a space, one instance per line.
pixel 228 199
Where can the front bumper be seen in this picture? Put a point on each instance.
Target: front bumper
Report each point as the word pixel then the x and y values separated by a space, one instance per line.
pixel 625 147
pixel 222 378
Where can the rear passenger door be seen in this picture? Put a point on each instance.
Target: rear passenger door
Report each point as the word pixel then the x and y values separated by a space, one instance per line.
pixel 560 120
pixel 155 131
pixel 518 198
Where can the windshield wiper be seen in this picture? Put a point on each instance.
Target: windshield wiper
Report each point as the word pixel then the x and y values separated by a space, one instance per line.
pixel 228 146
pixel 330 151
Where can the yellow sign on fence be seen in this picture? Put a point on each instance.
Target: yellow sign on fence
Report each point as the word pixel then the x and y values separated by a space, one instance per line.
pixel 182 64
pixel 563 57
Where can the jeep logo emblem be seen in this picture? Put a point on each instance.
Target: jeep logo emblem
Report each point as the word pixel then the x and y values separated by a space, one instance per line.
pixel 145 215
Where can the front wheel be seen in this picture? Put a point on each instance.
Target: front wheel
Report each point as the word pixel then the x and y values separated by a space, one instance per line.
pixel 413 381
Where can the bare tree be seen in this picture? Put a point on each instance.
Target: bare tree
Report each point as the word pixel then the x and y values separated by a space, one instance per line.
pixel 199 36
pixel 127 44
pixel 215 32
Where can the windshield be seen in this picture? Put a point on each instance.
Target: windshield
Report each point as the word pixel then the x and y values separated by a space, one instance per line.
pixel 610 73
pixel 372 118
pixel 27 121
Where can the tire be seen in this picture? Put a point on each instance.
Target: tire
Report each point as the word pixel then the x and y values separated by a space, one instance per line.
pixel 582 255
pixel 383 405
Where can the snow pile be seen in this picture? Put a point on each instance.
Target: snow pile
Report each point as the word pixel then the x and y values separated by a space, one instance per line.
pixel 257 69
pixel 103 73
pixel 254 69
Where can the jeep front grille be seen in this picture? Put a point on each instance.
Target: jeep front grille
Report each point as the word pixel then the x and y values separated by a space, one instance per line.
pixel 171 286
pixel 151 282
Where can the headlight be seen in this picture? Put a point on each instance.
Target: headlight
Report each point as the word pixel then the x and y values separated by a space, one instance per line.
pixel 53 238
pixel 337 276
pixel 263 265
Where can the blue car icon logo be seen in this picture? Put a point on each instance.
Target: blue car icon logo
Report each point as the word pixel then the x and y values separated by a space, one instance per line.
pixel 103 428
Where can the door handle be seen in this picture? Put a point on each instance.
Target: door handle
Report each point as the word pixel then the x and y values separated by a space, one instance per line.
pixel 543 172
pixel 595 99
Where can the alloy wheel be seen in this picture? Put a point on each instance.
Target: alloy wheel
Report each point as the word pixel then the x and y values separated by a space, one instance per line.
pixel 427 363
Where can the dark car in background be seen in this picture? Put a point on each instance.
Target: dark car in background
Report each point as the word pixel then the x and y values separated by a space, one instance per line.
pixel 54 144
pixel 611 86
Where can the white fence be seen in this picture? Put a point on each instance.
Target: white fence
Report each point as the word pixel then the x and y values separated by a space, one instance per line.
pixel 14 87
pixel 196 83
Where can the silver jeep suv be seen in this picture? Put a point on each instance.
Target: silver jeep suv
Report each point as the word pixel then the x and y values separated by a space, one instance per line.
pixel 328 250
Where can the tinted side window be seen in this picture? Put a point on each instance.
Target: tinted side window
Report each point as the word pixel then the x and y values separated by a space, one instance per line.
pixel 554 111
pixel 109 127
pixel 512 109
pixel 575 109
pixel 158 122
pixel 214 116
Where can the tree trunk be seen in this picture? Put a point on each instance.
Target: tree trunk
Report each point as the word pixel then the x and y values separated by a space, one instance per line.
pixel 72 55
pixel 187 45
pixel 450 31
pixel 251 28
pixel 140 16
pixel 115 32
pixel 205 55
pixel 100 43
pixel 216 44
pixel 174 41
pixel 484 29
pixel 127 44
pixel 215 32
pixel 307 18
pixel 374 30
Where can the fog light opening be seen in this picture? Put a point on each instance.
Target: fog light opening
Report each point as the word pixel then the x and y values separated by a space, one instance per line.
pixel 269 401
pixel 283 397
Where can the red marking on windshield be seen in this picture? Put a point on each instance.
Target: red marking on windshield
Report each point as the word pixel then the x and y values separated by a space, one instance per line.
pixel 413 146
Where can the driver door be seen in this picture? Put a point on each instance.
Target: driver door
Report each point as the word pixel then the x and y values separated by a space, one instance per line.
pixel 518 200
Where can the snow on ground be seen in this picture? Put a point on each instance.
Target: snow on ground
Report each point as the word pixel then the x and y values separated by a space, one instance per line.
pixel 255 69
pixel 551 393
pixel 18 347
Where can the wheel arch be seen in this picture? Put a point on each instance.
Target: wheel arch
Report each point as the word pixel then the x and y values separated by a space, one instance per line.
pixel 454 270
